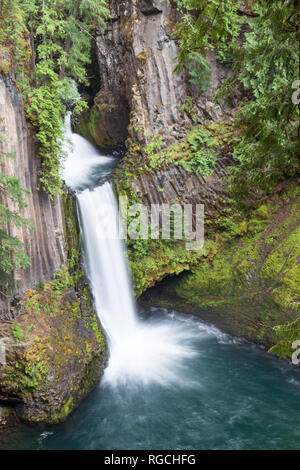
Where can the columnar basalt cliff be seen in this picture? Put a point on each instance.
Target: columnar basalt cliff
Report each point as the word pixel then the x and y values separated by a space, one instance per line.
pixel 45 243
pixel 161 113
pixel 137 57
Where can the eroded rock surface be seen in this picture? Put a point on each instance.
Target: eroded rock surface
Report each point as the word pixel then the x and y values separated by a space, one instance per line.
pixel 45 244
pixel 55 354
pixel 137 57
pixel 52 349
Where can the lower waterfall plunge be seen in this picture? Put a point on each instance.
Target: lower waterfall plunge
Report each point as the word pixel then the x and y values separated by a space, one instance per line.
pixel 140 350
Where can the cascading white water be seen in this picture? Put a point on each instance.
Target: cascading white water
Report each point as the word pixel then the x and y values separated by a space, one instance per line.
pixel 143 351
pixel 105 261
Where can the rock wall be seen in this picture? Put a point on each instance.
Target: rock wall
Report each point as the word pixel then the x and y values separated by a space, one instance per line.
pixel 142 98
pixel 137 57
pixel 45 244
pixel 247 284
pixel 55 353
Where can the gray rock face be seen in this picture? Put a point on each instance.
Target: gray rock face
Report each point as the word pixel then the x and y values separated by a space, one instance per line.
pixel 137 57
pixel 149 7
pixel 45 245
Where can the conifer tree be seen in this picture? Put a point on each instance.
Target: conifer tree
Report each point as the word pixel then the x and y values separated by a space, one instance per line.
pixel 266 61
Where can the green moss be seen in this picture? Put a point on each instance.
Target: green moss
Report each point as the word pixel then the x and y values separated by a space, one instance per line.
pixel 5 59
pixel 91 125
pixel 64 412
pixel 286 335
pixel 152 260
pixel 105 123
pixel 61 343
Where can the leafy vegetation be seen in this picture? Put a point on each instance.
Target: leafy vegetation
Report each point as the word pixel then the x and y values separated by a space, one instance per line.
pixel 199 70
pixel 265 60
pixel 203 155
pixel 206 24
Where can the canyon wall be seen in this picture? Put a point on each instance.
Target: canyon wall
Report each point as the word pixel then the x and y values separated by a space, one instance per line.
pixel 45 244
pixel 155 111
pixel 137 58
pixel 141 98
pixel 168 121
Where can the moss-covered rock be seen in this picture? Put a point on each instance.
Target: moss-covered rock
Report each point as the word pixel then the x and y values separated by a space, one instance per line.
pixel 55 349
pixel 55 352
pixel 186 172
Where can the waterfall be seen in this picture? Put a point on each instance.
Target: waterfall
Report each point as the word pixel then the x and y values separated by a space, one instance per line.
pixel 105 262
pixel 140 350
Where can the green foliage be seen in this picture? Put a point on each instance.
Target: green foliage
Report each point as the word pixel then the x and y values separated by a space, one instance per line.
pixel 154 145
pixel 199 70
pixel 268 150
pixel 141 248
pixel 287 333
pixel 60 42
pixel 45 110
pixel 196 153
pixel 205 24
pixel 18 333
pixel 63 280
pixel 12 253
